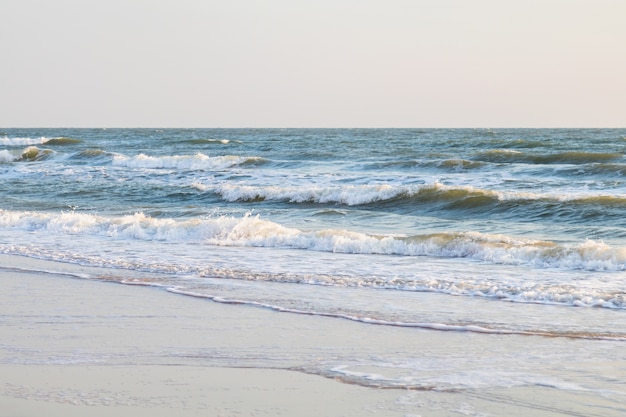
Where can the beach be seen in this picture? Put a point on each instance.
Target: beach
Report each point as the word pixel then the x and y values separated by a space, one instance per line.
pixel 85 348
pixel 74 347
pixel 320 272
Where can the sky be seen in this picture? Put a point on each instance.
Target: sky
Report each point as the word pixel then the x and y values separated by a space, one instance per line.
pixel 315 63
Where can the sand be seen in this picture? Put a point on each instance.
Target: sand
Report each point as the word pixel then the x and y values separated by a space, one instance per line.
pixel 74 347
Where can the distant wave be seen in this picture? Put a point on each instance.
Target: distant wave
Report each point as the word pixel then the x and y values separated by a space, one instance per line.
pixel 453 165
pixel 523 143
pixel 63 141
pixel 605 169
pixel 198 161
pixel 33 153
pixel 29 154
pixel 7 156
pixel 354 195
pixel 208 141
pixel 9 141
pixel 350 195
pixel 254 231
pixel 579 164
pixel 90 153
pixel 513 156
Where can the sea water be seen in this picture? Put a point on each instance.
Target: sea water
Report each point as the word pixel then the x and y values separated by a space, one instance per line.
pixel 506 232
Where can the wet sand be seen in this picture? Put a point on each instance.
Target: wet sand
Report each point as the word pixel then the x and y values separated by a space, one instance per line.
pixel 73 347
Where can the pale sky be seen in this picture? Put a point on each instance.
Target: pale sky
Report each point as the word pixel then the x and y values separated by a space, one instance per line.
pixel 316 63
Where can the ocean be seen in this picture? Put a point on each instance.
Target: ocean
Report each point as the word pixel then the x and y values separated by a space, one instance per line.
pixel 489 233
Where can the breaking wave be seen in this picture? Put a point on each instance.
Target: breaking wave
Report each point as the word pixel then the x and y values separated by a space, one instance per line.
pixel 198 161
pixel 256 232
pixel 29 154
pixel 429 197
pixel 208 141
pixel 8 141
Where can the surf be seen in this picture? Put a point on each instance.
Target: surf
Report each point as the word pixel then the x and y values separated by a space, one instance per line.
pixel 254 231
pixel 198 161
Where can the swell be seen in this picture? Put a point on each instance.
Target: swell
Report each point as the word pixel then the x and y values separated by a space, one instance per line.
pixel 208 141
pixel 33 153
pixel 27 141
pixel 603 169
pixel 606 166
pixel 571 157
pixel 29 154
pixel 89 154
pixel 63 141
pixel 438 198
pixel 199 161
pixel 450 164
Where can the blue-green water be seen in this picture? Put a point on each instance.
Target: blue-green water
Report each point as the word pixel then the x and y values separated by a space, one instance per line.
pixel 490 231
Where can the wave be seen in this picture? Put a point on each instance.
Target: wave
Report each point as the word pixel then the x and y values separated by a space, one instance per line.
pixel 208 141
pixel 252 231
pixel 426 197
pixel 355 195
pixel 7 141
pixel 7 156
pixel 29 154
pixel 350 195
pixel 32 153
pixel 609 169
pixel 198 161
pixel 454 165
pixel 63 141
pixel 472 328
pixel 90 154
pixel 513 156
pixel 523 143
pixel 17 141
pixel 374 317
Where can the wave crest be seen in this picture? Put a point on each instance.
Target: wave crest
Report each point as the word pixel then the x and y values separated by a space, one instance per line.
pixel 430 197
pixel 7 156
pixel 33 153
pixel 350 195
pixel 254 231
pixel 198 161
pixel 573 157
pixel 356 195
pixel 17 141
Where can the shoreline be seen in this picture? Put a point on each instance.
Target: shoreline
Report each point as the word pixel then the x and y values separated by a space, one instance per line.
pixel 73 347
pixel 61 372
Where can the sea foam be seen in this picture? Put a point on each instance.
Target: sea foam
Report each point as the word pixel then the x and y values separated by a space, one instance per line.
pixel 252 230
pixel 198 161
pixel 7 141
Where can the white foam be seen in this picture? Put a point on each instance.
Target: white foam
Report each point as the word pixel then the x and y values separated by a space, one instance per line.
pixel 353 195
pixel 254 231
pixel 198 161
pixel 7 156
pixel 349 194
pixel 7 141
